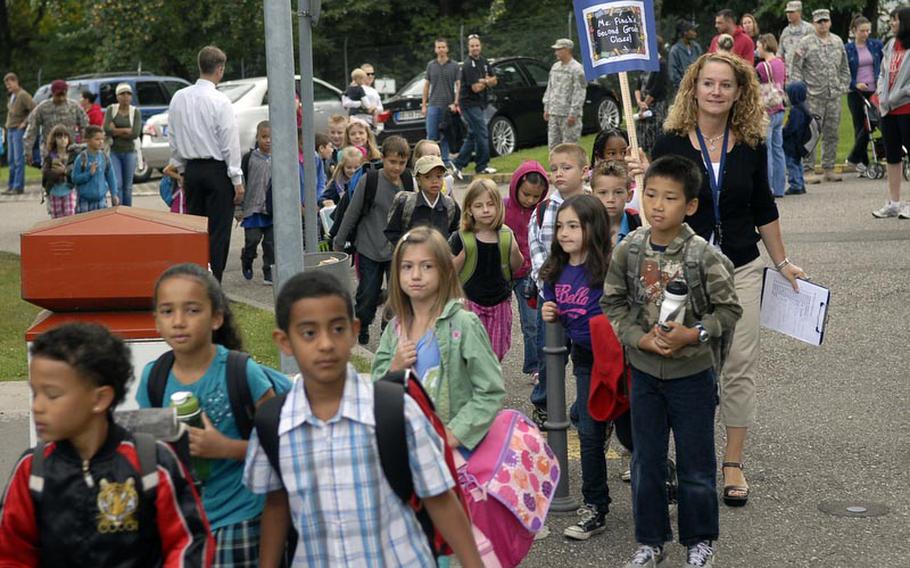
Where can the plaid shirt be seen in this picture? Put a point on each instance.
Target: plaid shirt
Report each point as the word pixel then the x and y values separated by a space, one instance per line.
pixel 540 238
pixel 344 510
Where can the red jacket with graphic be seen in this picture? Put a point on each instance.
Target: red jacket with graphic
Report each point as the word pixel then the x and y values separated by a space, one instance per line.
pixel 97 514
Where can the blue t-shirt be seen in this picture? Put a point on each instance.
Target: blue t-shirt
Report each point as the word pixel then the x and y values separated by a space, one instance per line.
pixel 578 302
pixel 429 358
pixel 224 497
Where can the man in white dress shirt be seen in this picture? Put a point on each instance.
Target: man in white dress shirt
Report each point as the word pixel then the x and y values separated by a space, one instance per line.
pixel 205 145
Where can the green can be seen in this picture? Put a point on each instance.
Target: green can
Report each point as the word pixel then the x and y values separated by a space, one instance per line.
pixel 190 413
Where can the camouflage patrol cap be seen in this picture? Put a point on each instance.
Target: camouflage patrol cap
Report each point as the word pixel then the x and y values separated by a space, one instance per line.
pixel 795 6
pixel 821 15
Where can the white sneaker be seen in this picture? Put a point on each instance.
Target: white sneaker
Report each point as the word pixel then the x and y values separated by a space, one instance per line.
pixel 891 209
pixel 905 211
pixel 700 555
pixel 456 171
pixel 646 557
pixel 488 170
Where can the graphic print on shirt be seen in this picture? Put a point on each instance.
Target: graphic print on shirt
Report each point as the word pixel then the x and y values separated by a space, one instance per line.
pixel 117 504
pixel 572 306
pixel 655 275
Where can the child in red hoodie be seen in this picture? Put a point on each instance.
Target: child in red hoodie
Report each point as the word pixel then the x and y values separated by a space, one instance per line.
pixel 527 188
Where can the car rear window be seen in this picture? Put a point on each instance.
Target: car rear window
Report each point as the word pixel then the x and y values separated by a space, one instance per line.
pixel 149 93
pixel 234 92
pixel 414 88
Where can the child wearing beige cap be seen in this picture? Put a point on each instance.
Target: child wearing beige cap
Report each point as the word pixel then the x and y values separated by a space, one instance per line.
pixel 426 206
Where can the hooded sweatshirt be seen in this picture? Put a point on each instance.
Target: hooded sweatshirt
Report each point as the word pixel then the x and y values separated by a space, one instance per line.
pixel 798 121
pixel 518 217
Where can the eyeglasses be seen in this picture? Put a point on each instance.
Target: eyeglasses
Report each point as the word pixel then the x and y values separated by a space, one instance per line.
pixel 473 36
pixel 370 74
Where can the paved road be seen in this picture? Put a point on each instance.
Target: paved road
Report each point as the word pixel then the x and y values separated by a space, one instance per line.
pixel 833 421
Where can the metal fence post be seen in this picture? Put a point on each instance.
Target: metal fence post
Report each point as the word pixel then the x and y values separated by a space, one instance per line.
pixel 279 45
pixel 557 422
pixel 308 15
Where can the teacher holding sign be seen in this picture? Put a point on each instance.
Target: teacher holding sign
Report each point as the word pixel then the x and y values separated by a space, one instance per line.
pixel 718 121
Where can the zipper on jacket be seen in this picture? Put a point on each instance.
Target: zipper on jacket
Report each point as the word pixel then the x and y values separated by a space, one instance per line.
pixel 87 474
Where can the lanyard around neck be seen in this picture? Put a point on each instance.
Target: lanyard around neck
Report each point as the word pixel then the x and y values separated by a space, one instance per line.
pixel 716 182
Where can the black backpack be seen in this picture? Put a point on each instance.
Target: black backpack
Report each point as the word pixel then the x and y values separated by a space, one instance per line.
pixel 372 174
pixel 243 406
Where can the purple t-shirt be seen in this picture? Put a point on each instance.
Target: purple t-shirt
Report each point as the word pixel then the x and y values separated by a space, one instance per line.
pixel 578 302
pixel 865 72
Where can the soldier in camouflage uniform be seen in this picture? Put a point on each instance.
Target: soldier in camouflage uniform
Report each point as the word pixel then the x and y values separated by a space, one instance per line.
pixel 820 61
pixel 56 110
pixel 564 99
pixel 795 31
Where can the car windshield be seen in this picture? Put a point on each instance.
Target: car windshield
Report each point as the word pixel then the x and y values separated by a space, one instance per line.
pixel 234 91
pixel 414 88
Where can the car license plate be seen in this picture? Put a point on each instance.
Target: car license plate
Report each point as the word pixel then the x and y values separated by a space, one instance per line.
pixel 407 115
pixel 164 131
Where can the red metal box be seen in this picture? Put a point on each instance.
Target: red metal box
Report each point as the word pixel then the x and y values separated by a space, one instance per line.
pixel 107 259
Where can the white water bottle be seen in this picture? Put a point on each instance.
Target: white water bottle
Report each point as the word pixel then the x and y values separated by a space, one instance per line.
pixel 673 306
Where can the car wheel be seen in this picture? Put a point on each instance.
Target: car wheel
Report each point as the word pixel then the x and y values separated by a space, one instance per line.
pixel 608 115
pixel 142 173
pixel 503 139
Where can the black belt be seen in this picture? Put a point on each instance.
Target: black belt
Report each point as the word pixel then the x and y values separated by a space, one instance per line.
pixel 204 161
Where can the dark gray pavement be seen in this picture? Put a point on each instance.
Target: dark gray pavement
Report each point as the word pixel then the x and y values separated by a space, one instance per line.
pixel 833 421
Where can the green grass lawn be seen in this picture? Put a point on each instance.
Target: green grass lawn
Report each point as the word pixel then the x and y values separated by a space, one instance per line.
pixel 31 175
pixel 18 315
pixel 512 161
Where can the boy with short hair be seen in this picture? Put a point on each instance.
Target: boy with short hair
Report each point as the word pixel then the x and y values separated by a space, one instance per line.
pixel 93 174
pixel 336 127
pixel 90 504
pixel 674 382
pixel 370 215
pixel 568 167
pixel 331 401
pixel 255 213
pixel 611 184
pixel 427 206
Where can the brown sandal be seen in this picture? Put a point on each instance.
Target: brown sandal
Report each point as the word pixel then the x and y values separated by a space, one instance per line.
pixel 735 495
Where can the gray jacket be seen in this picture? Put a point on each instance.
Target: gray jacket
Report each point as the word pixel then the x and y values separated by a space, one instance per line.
pixel 889 99
pixel 371 240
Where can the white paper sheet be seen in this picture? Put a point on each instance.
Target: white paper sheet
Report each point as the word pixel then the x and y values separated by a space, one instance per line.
pixel 800 315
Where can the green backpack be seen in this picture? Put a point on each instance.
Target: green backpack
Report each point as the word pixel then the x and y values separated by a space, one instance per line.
pixel 470 254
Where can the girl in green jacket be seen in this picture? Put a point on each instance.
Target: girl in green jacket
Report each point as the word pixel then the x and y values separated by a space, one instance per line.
pixel 444 344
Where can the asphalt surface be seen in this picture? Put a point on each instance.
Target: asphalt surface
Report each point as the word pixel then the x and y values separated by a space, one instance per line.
pixel 832 425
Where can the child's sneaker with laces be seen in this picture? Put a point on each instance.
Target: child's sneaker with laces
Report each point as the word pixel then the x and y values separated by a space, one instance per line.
pixel 891 209
pixel 700 555
pixel 593 521
pixel 646 556
pixel 904 212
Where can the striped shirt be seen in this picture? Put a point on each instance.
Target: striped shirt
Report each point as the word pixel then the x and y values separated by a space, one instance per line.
pixel 344 510
pixel 540 237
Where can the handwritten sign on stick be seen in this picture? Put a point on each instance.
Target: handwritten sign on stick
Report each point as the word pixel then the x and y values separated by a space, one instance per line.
pixel 616 36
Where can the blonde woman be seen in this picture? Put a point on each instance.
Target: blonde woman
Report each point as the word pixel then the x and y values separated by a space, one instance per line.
pixel 718 121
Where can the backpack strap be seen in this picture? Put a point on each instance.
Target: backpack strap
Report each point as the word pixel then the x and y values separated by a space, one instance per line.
pixel 407 212
pixel 157 381
pixel 239 394
pixel 370 187
pixel 505 252
pixel 542 211
pixel 694 274
pixel 36 480
pixel 407 180
pixel 267 418
pixel 391 434
pixel 636 240
pixel 147 451
pixel 469 242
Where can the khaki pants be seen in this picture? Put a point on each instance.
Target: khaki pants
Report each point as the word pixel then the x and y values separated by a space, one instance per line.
pixel 559 131
pixel 737 383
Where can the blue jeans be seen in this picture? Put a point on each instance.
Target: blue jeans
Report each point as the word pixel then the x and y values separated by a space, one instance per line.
pixel 528 317
pixel 592 435
pixel 434 115
pixel 369 287
pixel 687 407
pixel 124 164
pixel 16 158
pixel 795 173
pixel 476 142
pixel 777 173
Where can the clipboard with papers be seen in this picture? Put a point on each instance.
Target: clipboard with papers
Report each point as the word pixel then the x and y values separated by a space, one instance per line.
pixel 802 315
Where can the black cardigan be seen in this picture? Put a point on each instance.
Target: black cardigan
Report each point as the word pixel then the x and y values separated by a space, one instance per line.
pixel 745 198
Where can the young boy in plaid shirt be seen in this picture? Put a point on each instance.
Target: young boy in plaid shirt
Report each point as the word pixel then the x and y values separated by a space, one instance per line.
pixel 568 168
pixel 330 485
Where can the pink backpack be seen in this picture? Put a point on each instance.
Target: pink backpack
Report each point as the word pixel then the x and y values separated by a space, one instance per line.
pixel 509 481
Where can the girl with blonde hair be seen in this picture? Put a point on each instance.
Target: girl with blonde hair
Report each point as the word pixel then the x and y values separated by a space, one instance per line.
pixel 443 343
pixel 719 122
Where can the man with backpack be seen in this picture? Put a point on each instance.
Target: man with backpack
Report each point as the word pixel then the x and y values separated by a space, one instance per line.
pixel 364 222
pixel 326 429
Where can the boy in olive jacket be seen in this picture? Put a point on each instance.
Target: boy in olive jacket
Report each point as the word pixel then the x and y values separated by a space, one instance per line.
pixel 673 365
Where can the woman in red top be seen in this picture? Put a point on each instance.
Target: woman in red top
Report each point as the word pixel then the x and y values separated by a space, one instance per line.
pixel 91 108
pixel 894 102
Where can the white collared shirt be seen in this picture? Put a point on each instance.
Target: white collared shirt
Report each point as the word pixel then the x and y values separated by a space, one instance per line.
pixel 202 125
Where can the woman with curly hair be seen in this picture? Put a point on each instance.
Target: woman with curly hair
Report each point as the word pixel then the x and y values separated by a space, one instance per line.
pixel 719 122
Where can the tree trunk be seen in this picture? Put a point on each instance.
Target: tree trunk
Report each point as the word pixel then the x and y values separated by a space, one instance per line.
pixel 6 44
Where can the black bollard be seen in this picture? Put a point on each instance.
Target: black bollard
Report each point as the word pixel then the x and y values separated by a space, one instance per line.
pixel 557 423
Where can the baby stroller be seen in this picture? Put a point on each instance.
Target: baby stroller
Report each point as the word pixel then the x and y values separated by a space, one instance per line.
pixel 876 169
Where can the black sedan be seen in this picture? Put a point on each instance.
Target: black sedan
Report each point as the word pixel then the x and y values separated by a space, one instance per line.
pixel 515 110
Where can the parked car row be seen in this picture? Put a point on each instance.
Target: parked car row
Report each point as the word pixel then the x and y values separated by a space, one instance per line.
pixel 515 108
